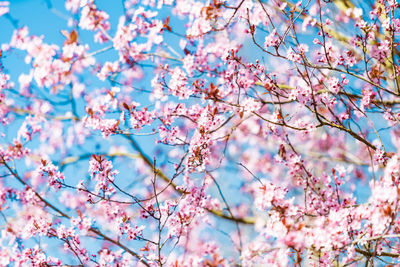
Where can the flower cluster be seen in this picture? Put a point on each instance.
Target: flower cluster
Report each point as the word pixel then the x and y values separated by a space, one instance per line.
pixel 48 172
pixel 101 170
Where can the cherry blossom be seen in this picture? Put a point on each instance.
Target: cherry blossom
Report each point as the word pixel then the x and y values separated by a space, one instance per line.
pixel 4 7
pixel 200 133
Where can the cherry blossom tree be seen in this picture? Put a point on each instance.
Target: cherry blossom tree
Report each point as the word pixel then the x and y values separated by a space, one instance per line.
pixel 201 133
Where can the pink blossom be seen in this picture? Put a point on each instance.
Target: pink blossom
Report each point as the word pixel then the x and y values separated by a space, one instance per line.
pixel 368 96
pixel 177 85
pixel 4 7
pixel 272 39
pixel 92 18
pixel 101 171
pixel 293 56
pixel 107 70
pixel 51 173
pixel 73 5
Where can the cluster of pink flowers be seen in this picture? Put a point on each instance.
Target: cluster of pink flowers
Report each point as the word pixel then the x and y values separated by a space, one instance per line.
pixel 272 39
pixel 178 83
pixel 50 174
pixel 94 19
pixel 4 7
pixel 101 170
